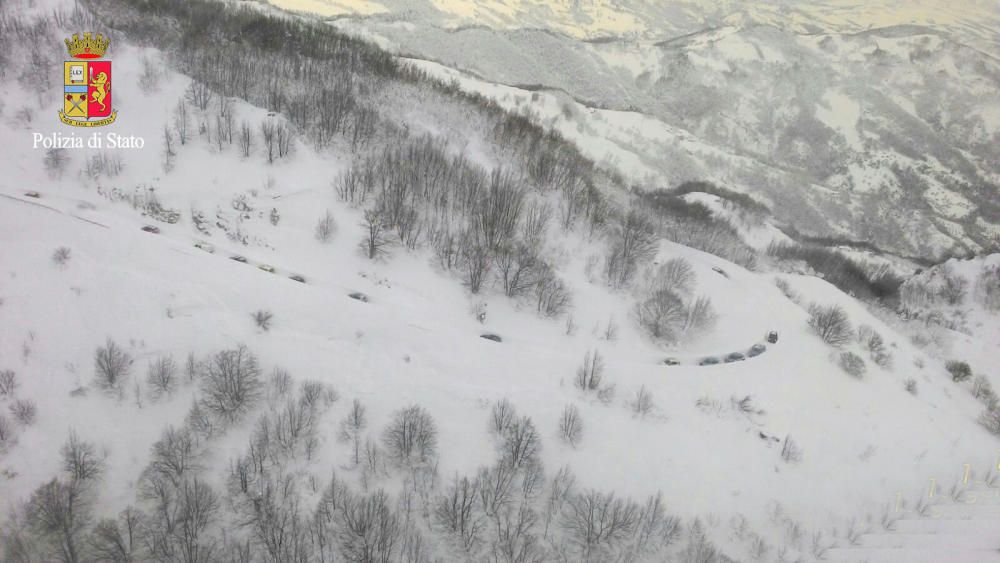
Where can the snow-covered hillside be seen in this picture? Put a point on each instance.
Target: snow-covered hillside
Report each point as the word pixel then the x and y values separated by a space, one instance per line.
pixel 902 111
pixel 777 457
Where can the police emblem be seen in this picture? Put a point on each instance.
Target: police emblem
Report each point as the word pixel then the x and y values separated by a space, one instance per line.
pixel 87 83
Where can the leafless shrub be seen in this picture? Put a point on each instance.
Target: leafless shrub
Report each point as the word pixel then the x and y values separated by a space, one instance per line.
pixel 700 316
pixel 411 436
pixel 8 383
pixel 6 432
pixel 521 444
pixel 982 390
pixel 662 314
pixel 790 451
pixel 633 241
pixel 80 460
pixel 990 419
pixel 590 375
pixel 852 363
pixel 58 513
pixel 24 411
pixel 162 376
pixel 830 324
pixel 375 240
pixel 786 289
pixel 571 425
pixel 232 383
pixel 112 365
pixel 61 256
pixel 960 371
pixel 911 386
pixel 455 511
pixel 552 297
pixel 263 319
pixel 642 404
pixel 175 456
pixel 594 521
pixel 675 275
pixel 56 160
pixel 200 422
pixel 118 540
pixel 495 486
pixel 369 530
pixel 325 228
pixel 351 428
pixel 501 416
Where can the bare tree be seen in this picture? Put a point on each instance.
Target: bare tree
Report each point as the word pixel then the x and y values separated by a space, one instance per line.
pixel 570 425
pixel 521 444
pixel 502 416
pixel 112 365
pixel 263 319
pixel 175 456
pixel 232 383
pixel 455 511
pixel 369 530
pixel 162 376
pixel 61 256
pixel 352 427
pixel 662 314
pixel 24 411
pixel 375 241
pixel 590 375
pixel 59 513
pixel 118 540
pixel 642 404
pixel 8 382
pixel 245 139
pixel 325 228
pixel 411 436
pixel 594 520
pixel 830 324
pixel 633 241
pixel 197 509
pixel 182 120
pixel 495 485
pixel 199 94
pixel 790 451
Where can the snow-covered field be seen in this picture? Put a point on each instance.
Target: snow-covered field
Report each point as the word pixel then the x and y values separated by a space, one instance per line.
pixel 867 445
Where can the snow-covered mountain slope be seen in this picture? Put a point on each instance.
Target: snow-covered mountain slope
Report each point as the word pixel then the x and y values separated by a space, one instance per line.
pixel 896 120
pixel 714 454
pixel 971 19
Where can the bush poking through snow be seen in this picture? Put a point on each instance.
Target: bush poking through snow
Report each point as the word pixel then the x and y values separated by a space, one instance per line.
pixel 325 228
pixel 790 451
pixel 111 365
pixel 853 364
pixel 411 436
pixel 521 443
pixel 24 411
pixel 590 376
pixel 960 371
pixel 80 460
pixel 161 376
pixel 501 416
pixel 570 425
pixel 911 386
pixel 642 404
pixel 990 419
pixel 983 391
pixel 231 384
pixel 830 324
pixel 6 432
pixel 61 256
pixel 8 383
pixel 263 319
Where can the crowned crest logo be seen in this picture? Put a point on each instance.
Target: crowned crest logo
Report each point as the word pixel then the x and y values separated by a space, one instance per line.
pixel 87 83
